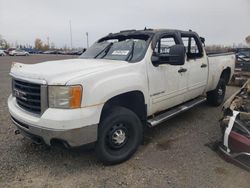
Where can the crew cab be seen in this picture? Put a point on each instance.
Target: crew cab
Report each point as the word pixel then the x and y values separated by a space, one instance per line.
pixel 121 84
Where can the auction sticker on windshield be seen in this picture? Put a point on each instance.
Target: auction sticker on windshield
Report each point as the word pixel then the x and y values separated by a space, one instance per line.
pixel 120 52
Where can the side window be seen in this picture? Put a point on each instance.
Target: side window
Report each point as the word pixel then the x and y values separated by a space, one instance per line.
pixel 164 44
pixel 192 47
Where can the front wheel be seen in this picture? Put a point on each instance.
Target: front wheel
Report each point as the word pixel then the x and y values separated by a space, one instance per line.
pixel 216 97
pixel 119 135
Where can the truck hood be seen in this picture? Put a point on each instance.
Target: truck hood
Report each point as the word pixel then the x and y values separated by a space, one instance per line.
pixel 61 71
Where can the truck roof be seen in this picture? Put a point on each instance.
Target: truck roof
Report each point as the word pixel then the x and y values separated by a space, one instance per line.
pixel 150 32
pixel 145 34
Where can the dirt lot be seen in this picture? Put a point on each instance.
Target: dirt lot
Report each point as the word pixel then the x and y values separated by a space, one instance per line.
pixel 174 154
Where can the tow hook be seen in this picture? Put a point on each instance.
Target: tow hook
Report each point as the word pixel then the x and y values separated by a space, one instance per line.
pixel 17 132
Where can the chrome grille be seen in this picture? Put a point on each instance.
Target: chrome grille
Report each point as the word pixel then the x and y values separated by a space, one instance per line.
pixel 28 95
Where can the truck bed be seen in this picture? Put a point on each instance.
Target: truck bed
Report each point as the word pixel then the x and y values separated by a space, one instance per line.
pixel 217 63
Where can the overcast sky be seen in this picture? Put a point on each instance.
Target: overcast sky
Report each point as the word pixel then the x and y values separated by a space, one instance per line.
pixel 219 21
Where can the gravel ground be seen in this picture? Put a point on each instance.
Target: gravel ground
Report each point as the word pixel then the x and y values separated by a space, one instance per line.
pixel 174 154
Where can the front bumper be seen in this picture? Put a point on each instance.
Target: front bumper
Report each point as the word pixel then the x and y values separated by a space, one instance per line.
pixel 71 138
pixel 74 127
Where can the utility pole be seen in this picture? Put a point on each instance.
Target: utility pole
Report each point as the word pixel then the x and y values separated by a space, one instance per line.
pixel 87 35
pixel 48 41
pixel 70 34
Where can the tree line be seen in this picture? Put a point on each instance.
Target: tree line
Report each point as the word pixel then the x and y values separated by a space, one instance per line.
pixel 38 45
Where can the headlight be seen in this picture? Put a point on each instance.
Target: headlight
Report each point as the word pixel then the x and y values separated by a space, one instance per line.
pixel 68 97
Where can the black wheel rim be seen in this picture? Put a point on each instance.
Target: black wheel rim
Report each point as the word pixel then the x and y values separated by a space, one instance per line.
pixel 118 136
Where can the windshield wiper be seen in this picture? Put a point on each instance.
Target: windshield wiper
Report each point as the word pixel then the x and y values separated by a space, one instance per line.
pixel 105 50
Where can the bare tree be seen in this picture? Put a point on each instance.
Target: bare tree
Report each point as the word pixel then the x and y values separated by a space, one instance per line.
pixel 3 43
pixel 38 44
pixel 248 40
pixel 45 47
pixel 52 46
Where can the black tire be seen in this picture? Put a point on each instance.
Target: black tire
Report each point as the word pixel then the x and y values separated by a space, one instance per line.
pixel 112 149
pixel 216 97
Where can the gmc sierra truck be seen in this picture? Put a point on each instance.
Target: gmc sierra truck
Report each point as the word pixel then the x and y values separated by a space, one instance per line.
pixel 124 82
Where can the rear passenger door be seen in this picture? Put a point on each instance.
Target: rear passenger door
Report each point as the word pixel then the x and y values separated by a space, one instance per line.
pixel 197 66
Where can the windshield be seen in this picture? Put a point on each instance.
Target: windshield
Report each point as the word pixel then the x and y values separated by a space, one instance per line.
pixel 130 49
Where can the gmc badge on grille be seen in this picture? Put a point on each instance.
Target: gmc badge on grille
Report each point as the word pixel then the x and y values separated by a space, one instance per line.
pixel 20 94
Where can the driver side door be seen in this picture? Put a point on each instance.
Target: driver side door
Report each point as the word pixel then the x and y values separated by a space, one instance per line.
pixel 167 83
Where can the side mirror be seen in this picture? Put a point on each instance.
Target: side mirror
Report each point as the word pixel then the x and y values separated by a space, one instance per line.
pixel 176 56
pixel 155 59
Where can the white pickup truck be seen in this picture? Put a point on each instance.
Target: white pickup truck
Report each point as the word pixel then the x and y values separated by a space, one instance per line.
pixel 121 84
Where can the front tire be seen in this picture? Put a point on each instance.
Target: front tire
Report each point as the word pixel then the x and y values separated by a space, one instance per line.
pixel 216 97
pixel 119 135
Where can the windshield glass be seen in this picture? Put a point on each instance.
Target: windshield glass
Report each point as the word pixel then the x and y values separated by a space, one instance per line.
pixel 130 49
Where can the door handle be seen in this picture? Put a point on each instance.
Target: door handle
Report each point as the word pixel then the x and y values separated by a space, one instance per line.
pixel 182 70
pixel 203 65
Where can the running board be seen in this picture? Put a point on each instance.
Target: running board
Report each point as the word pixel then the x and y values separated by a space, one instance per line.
pixel 175 111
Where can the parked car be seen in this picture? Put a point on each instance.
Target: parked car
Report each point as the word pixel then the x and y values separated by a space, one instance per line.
pixel 235 126
pixel 76 52
pixel 243 58
pixel 2 53
pixel 32 51
pixel 121 84
pixel 18 52
pixel 80 52
pixel 51 52
pixel 9 50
